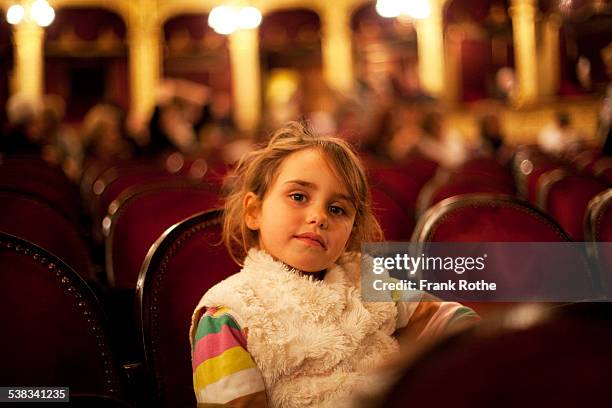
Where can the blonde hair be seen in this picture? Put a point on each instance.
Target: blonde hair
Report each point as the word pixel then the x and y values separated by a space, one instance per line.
pixel 257 170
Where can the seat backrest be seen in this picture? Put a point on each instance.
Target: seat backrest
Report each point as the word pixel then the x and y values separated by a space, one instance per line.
pixel 55 332
pixel 485 218
pixel 117 179
pixel 33 220
pixel 182 265
pixel 565 197
pixel 523 362
pixel 446 185
pixel 419 167
pixel 528 165
pixel 598 228
pixel 396 222
pixel 56 190
pixel 397 183
pixel 486 167
pixel 142 215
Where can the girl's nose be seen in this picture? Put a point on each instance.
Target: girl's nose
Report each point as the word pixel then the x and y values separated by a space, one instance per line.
pixel 318 217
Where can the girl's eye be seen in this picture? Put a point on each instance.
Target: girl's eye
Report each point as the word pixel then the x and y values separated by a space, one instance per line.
pixel 299 197
pixel 335 210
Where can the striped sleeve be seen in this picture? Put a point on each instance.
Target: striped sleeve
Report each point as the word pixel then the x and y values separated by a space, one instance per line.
pixel 223 370
pixel 431 317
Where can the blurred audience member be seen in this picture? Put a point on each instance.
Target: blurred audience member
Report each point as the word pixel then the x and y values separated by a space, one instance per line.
pixel 63 144
pixel 441 143
pixel 604 129
pixel 407 131
pixel 179 115
pixel 491 139
pixel 559 137
pixel 24 135
pixel 104 135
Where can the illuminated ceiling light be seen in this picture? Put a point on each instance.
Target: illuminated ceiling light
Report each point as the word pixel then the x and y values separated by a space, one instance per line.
pixel 42 13
pixel 223 19
pixel 417 9
pixel 388 8
pixel 15 14
pixel 249 17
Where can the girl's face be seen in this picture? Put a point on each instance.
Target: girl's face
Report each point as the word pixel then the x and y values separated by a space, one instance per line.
pixel 306 217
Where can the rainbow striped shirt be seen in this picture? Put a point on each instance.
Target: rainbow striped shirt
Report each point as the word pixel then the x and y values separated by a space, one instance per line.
pixel 224 372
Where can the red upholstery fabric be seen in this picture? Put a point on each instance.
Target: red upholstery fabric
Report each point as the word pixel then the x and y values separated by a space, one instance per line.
pixel 116 179
pixel 606 175
pixel 485 217
pixel 182 268
pixel 419 168
pixel 33 220
pixel 529 164
pixel 397 222
pixel 92 170
pixel 537 366
pixel 122 182
pixel 567 199
pixel 46 182
pixel 142 217
pixel 491 218
pixel 54 332
pixel 599 229
pixel 534 178
pixel 486 167
pixel 462 184
pixel 396 183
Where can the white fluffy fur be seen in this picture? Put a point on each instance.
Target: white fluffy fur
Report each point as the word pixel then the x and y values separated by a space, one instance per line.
pixel 312 340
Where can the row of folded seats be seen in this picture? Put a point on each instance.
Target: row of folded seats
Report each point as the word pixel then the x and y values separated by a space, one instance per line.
pixel 155 227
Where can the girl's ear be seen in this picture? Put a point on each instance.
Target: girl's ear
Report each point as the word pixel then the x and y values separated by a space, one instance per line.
pixel 252 207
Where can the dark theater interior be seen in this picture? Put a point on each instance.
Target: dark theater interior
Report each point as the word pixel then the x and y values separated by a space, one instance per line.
pixel 306 203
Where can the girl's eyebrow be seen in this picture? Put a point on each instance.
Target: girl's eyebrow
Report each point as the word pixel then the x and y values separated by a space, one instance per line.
pixel 308 184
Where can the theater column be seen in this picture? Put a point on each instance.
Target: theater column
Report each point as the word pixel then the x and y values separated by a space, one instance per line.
pixel 144 62
pixel 523 14
pixel 28 77
pixel 246 81
pixel 549 56
pixel 430 47
pixel 336 47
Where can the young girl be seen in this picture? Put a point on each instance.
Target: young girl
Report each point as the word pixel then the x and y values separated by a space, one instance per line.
pixel 290 329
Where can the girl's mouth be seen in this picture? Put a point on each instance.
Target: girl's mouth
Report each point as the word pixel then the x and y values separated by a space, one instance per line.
pixel 312 239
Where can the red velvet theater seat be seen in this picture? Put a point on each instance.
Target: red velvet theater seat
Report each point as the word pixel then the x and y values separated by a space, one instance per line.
pixel 54 331
pixel 397 222
pixel 546 360
pixel 446 185
pixel 419 168
pixel 33 220
pixel 184 263
pixel 477 218
pixel 486 167
pixel 528 165
pixel 396 183
pixel 565 197
pixel 598 228
pixel 44 183
pixel 140 216
pixel 117 179
pixel 486 217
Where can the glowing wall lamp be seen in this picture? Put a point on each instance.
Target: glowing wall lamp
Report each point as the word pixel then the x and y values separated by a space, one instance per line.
pixel 415 9
pixel 39 11
pixel 227 19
